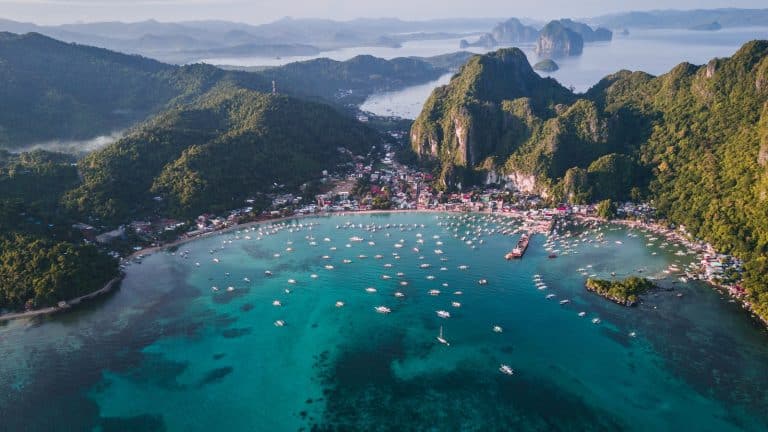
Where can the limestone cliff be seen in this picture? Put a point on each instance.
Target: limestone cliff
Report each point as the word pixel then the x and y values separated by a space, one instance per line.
pixel 557 40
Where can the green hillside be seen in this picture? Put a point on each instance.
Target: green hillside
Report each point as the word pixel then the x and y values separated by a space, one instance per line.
pixel 694 141
pixel 213 154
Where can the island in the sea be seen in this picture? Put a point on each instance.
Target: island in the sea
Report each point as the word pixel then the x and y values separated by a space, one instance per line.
pixel 546 65
pixel 557 40
pixel 712 26
pixel 624 292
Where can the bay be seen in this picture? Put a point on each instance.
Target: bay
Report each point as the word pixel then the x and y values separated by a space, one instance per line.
pixel 167 352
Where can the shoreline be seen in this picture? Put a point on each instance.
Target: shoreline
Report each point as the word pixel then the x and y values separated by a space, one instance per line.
pixel 69 304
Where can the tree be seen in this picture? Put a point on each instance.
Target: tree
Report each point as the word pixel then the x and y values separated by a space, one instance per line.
pixel 606 209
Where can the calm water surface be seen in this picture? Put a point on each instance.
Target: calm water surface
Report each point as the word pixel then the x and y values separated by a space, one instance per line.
pixel 167 352
pixel 652 51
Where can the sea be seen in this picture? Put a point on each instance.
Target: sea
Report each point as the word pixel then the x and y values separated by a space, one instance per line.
pixel 653 51
pixel 191 341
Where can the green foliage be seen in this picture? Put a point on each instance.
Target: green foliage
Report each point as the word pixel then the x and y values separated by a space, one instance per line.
pixel 625 291
pixel 606 209
pixel 694 141
pixel 37 273
pixel 212 155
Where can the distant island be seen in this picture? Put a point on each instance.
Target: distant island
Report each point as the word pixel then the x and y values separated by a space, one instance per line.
pixel 557 40
pixel 546 65
pixel 713 26
pixel 624 292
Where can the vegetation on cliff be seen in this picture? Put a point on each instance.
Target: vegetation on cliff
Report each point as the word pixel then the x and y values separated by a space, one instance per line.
pixel 694 141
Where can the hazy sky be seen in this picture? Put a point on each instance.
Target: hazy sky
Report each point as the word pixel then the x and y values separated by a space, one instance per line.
pixel 260 11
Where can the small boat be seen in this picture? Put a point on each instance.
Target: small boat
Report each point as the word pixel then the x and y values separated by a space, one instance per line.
pixel 313 276
pixel 339 304
pixel 596 321
pixel 443 314
pixel 483 282
pixel 497 329
pixel 246 280
pixel 424 266
pixel 582 314
pixel 386 277
pixel 506 370
pixel 213 288
pixel 329 267
pixel 370 290
pixel 456 304
pixel 216 260
pixel 403 283
pixel 566 301
pixel 230 289
pixel 398 294
pixel 632 334
pixel 383 309
pixel 458 292
pixel 434 292
pixel 347 261
pixel 276 303
pixel 441 339
pixel 291 281
pixel 463 267
pixel 279 323
pixel 549 296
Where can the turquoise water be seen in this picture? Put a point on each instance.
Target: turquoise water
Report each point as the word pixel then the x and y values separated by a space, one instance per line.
pixel 167 352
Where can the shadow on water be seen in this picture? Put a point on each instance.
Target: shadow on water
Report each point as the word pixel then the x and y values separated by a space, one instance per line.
pixel 362 393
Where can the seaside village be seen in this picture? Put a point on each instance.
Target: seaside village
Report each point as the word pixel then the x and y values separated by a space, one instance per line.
pixel 390 186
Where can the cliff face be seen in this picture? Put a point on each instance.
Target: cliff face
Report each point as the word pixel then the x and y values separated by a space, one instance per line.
pixel 487 111
pixel 513 31
pixel 556 40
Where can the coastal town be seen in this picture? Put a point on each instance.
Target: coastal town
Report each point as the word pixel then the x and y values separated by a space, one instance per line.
pixel 388 185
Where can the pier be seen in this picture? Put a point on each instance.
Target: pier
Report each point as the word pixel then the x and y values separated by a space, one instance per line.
pixel 519 250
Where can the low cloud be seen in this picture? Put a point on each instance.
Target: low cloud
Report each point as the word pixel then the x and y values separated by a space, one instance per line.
pixel 75 146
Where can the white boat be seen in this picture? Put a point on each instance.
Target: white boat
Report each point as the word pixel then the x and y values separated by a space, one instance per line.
pixel 276 303
pixel 424 266
pixel 440 337
pixel 483 282
pixel 632 334
pixel 549 296
pixel 458 292
pixel 595 320
pixel 456 304
pixel 339 304
pixel 216 260
pixel 347 261
pixel 582 314
pixel 230 289
pixel 383 309
pixel 213 288
pixel 370 290
pixel 506 370
pixel 386 277
pixel 463 267
pixel 564 301
pixel 313 276
pixel 433 292
pixel 329 267
pixel 497 329
pixel 443 314
pixel 291 281
pixel 399 294
pixel 403 283
pixel 279 323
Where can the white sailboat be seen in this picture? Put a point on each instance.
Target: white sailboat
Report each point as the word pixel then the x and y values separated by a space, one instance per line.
pixel 441 339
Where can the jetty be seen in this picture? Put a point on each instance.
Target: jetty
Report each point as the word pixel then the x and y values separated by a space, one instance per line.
pixel 519 250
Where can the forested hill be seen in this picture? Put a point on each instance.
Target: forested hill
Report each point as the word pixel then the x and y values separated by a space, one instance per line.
pixel 212 155
pixel 59 91
pixel 694 141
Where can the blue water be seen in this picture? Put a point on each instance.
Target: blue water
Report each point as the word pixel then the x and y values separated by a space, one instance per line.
pixel 166 352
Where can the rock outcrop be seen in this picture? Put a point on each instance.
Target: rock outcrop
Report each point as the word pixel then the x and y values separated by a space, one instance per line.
pixel 557 40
